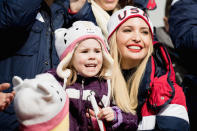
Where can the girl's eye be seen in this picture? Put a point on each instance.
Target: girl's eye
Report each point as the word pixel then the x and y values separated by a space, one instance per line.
pixel 98 51
pixel 84 51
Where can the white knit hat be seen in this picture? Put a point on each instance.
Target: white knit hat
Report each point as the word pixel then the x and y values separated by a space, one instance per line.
pixel 122 15
pixel 66 40
pixel 41 104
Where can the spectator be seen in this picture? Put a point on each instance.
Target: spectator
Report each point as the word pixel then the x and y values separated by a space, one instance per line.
pixel 5 98
pixel 148 76
pixel 162 33
pixel 183 31
pixel 97 11
pixel 163 36
pixel 85 69
pixel 27 49
pixel 145 4
pixel 123 3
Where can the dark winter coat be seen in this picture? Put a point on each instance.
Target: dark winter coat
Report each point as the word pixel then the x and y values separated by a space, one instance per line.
pixel 183 31
pixel 27 43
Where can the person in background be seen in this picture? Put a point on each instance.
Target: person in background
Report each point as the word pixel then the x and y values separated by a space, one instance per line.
pixel 144 67
pixel 145 4
pixel 85 72
pixel 123 3
pixel 183 31
pixel 99 11
pixel 162 33
pixel 27 43
pixel 163 36
pixel 5 98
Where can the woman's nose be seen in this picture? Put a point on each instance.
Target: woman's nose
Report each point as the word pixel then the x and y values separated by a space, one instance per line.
pixel 136 37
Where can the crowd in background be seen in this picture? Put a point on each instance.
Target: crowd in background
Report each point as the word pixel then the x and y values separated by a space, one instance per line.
pixel 153 90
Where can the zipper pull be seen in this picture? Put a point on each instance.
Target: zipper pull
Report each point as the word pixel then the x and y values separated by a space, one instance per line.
pixel 82 84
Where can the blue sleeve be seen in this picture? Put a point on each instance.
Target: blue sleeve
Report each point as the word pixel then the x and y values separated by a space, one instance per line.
pixel 183 24
pixel 84 14
pixel 124 121
pixel 18 13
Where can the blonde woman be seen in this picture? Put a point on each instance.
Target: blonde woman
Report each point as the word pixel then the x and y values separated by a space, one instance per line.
pixel 143 80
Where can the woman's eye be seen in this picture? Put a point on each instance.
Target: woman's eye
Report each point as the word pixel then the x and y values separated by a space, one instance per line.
pixel 127 30
pixel 145 32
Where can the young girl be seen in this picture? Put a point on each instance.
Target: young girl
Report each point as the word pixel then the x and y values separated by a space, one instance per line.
pixel 148 76
pixel 85 70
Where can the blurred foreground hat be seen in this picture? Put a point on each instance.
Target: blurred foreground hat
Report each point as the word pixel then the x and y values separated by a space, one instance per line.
pixel 41 104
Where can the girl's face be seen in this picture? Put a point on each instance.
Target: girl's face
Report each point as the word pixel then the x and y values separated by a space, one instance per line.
pixel 133 41
pixel 107 5
pixel 88 58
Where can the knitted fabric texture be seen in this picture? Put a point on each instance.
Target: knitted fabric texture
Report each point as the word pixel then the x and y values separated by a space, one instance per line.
pixel 122 15
pixel 41 103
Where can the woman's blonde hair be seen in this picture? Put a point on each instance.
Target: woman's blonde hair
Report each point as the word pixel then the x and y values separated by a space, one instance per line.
pixel 125 93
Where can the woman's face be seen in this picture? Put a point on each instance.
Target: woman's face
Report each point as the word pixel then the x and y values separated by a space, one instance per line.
pixel 133 41
pixel 107 5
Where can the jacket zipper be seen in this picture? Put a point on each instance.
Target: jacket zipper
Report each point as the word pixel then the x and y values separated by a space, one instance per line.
pixel 81 96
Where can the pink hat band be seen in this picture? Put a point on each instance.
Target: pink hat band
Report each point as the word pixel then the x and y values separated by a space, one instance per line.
pixel 52 123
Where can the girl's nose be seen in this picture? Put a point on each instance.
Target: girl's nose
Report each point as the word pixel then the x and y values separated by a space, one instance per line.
pixel 92 56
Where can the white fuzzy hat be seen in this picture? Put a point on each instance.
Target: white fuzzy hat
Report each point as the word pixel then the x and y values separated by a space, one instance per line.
pixel 41 104
pixel 122 15
pixel 66 40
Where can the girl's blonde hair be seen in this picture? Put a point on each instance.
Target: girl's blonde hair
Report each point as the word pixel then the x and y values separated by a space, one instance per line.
pixel 125 93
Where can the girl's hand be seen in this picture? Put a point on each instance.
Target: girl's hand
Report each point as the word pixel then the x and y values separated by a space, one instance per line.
pixel 107 114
